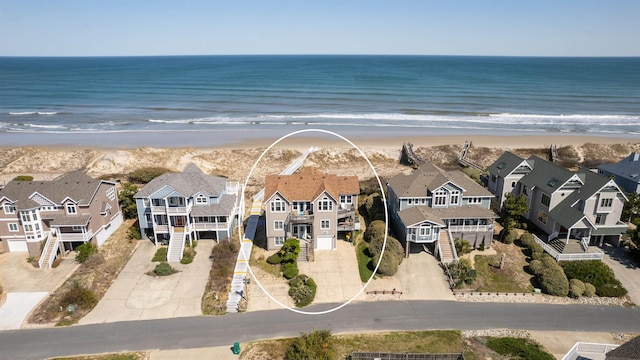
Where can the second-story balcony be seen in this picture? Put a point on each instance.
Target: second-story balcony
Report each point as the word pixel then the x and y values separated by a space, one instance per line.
pixel 300 217
pixel 74 236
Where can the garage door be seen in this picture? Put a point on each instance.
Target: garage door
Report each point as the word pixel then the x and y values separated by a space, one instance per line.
pixel 17 245
pixel 325 243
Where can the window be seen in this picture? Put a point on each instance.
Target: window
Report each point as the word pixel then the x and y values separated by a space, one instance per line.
pixel 147 217
pixel 325 204
pixel 474 200
pixel 601 219
pixel 26 216
pixel 545 200
pixel 278 224
pixel 111 193
pixel 409 201
pixel 277 206
pixel 606 202
pixel 28 228
pixel 13 227
pixel 525 191
pixel 201 199
pixel 440 198
pixel 542 217
pixel 145 203
pixel 77 228
pixel 455 197
pixel 278 240
pixel 9 209
pixel 346 199
pixel 158 202
pixel 71 209
pixel 513 184
pixel 324 224
pixel 425 231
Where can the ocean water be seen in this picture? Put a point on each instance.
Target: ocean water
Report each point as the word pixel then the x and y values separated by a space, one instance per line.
pixel 403 94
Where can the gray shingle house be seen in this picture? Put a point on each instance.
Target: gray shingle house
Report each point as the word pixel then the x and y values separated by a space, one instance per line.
pixel 432 207
pixel 48 218
pixel 582 205
pixel 191 205
pixel 626 173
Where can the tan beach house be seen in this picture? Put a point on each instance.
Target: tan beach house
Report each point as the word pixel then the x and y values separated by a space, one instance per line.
pixel 48 218
pixel 312 206
pixel 432 207
pixel 178 207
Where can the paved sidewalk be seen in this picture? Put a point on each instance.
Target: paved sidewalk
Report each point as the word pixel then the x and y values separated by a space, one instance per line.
pixel 137 296
pixel 626 270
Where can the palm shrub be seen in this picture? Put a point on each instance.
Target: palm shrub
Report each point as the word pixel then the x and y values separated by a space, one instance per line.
pixel 462 246
pixel 462 273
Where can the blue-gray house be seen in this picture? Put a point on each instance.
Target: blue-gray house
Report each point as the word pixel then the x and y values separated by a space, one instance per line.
pixel 625 173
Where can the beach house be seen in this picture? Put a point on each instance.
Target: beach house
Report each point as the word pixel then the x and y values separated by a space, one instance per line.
pixel 178 207
pixel 48 218
pixel 625 173
pixel 312 206
pixel 432 207
pixel 568 210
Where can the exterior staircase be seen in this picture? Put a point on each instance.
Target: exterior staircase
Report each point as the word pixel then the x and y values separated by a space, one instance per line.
pixel 50 251
pixel 176 246
pixel 447 251
pixel 303 251
pixel 573 247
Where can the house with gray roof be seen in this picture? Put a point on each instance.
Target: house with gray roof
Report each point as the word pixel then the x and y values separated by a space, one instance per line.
pixel 580 207
pixel 178 207
pixel 625 173
pixel 49 218
pixel 432 207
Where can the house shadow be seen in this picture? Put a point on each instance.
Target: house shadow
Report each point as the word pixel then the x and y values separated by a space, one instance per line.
pixel 420 248
pixel 621 255
pixel 260 238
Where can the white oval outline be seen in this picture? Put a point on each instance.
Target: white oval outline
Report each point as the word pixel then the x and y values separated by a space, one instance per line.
pixel 386 218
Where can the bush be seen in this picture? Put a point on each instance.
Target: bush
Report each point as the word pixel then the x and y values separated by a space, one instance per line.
pixel 589 290
pixel 536 267
pixel 509 236
pixel 518 348
pixel 133 233
pixel 23 178
pixel 462 273
pixel 290 250
pixel 188 255
pixel 374 208
pixel 160 255
pixel 375 230
pixel 316 345
pixel 127 202
pixel 576 288
pixel 527 239
pixel 393 255
pixel 274 259
pixel 290 270
pixel 302 289
pixel 389 264
pixel 84 251
pixel 462 246
pixel 554 282
pixel 78 295
pixel 163 269
pixel 596 273
pixel 146 174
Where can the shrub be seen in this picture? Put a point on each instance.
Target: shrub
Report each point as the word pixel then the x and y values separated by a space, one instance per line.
pixel 509 236
pixel 596 273
pixel 187 255
pixel 589 290
pixel 375 230
pixel 160 255
pixel 23 178
pixel 290 270
pixel 462 246
pixel 163 269
pixel 127 202
pixel 316 345
pixel 146 174
pixel 133 233
pixel 518 348
pixel 290 250
pixel 374 207
pixel 274 259
pixel 302 289
pixel 78 295
pixel 389 264
pixel 462 273
pixel 527 239
pixel 84 251
pixel 393 255
pixel 536 267
pixel 554 282
pixel 576 288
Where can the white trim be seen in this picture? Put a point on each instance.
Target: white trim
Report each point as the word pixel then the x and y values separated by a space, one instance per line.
pixel 275 225
pixel 322 224
pixel 15 227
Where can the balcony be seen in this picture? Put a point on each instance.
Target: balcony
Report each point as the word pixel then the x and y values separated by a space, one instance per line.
pixel 349 225
pixel 470 228
pixel 160 229
pixel 75 236
pixel 348 211
pixel 174 210
pixel 210 226
pixel 297 218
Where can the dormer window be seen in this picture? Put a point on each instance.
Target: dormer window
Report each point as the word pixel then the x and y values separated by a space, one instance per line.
pixel 71 209
pixel 9 209
pixel 201 199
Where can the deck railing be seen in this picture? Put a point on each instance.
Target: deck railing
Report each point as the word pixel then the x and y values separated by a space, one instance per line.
pixel 584 349
pixel 45 248
pixel 471 228
pixel 86 236
pixel 597 255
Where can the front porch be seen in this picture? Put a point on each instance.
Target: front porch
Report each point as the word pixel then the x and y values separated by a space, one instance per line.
pixel 568 248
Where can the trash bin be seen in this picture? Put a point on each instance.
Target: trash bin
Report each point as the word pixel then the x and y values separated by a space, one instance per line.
pixel 236 348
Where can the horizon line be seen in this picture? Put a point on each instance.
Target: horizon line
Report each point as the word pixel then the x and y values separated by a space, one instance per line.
pixel 319 54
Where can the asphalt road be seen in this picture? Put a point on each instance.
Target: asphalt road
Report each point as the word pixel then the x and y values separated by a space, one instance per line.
pixel 194 332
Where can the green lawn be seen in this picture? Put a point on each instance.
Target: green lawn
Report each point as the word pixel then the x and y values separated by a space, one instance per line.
pixel 490 278
pixel 363 260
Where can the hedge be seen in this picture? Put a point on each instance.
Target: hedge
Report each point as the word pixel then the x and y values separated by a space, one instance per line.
pixel 596 273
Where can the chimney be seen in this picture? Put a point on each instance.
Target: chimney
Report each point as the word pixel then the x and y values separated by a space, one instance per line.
pixel 636 156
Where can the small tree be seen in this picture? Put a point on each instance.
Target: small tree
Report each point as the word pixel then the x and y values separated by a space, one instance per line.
pixel 290 250
pixel 512 209
pixel 127 202
pixel 146 174
pixel 631 210
pixel 84 251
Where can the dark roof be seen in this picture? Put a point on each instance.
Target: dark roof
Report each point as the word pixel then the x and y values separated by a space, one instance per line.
pixel 506 164
pixel 75 185
pixel 418 214
pixel 69 220
pixel 545 175
pixel 223 208
pixel 628 168
pixel 627 351
pixel 188 183
pixel 429 177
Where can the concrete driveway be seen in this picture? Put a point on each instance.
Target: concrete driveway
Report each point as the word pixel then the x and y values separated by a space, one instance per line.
pixel 625 269
pixel 137 296
pixel 26 286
